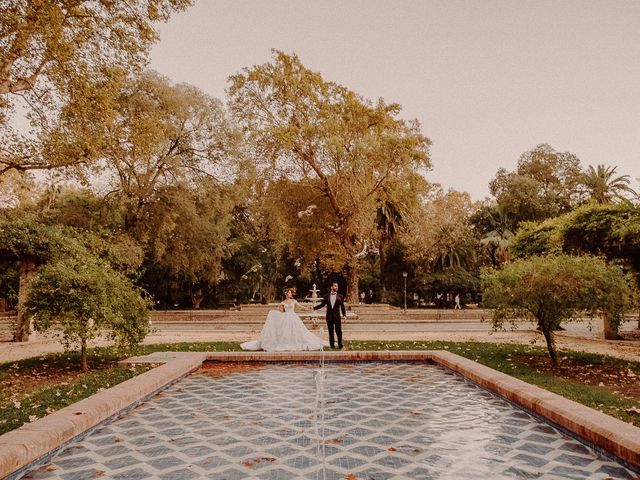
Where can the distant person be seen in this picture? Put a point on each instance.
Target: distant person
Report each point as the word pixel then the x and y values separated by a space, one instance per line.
pixel 335 312
pixel 457 300
pixel 362 296
pixel 370 296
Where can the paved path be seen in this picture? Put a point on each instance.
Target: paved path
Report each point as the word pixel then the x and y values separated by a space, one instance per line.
pixel 577 336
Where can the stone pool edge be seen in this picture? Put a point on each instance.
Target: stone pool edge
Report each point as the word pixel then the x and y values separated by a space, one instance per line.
pixel 36 441
pixel 614 436
pixel 33 442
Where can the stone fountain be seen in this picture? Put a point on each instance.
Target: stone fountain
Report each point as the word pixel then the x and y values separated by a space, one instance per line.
pixel 313 294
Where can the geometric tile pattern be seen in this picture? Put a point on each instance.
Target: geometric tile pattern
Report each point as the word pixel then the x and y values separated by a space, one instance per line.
pixel 381 421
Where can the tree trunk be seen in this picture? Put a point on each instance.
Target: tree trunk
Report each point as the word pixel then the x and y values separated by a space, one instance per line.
pixel 383 286
pixel 28 269
pixel 83 355
pixel 352 281
pixel 548 336
pixel 610 330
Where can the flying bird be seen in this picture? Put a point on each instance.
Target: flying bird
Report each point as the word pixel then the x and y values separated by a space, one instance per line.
pixel 307 212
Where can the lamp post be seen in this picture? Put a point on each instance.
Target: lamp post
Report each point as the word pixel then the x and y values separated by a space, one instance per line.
pixel 404 275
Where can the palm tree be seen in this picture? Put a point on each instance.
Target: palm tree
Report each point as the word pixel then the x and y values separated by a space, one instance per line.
pixel 497 245
pixel 453 256
pixel 497 241
pixel 603 187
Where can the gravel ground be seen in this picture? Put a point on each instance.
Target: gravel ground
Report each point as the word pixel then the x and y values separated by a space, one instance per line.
pixel 576 337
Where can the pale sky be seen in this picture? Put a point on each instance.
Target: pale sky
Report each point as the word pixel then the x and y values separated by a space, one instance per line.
pixel 487 79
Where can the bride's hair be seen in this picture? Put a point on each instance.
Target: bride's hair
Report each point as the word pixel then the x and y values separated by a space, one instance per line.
pixel 290 289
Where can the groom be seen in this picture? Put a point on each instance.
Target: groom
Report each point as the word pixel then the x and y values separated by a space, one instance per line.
pixel 335 306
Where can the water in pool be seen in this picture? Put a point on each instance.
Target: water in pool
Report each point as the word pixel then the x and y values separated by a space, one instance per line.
pixel 381 421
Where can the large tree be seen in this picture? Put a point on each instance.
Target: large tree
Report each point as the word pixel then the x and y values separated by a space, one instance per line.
pixel 439 234
pixel 339 144
pixel 544 184
pixel 61 60
pixel 165 134
pixel 191 225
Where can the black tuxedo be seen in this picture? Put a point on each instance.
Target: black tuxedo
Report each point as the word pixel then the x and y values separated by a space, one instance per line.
pixel 333 317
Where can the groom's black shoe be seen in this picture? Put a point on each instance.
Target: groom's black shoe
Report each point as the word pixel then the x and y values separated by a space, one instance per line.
pixel 339 347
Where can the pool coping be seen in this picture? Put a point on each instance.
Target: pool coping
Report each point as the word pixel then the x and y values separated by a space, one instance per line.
pixel 36 442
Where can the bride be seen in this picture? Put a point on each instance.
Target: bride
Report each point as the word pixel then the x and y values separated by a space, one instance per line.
pixel 284 331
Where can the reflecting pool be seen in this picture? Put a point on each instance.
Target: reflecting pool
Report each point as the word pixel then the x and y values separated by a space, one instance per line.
pixel 381 421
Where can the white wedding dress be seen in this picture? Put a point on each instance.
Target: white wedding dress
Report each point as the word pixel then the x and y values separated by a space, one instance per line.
pixel 284 332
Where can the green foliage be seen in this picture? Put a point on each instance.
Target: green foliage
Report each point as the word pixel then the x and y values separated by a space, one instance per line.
pixel 81 209
pixel 190 230
pixel 603 187
pixel 544 185
pixel 397 263
pixel 495 227
pixel 9 282
pixel 190 227
pixel 553 289
pixel 612 230
pixel 166 136
pixel 64 59
pixel 537 239
pixel 448 280
pixel 439 234
pixel 27 237
pixel 83 298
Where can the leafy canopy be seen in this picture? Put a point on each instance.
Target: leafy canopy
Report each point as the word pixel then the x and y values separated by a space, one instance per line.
pixel 341 146
pixel 83 298
pixel 62 59
pixel 552 289
pixel 612 230
pixel 544 184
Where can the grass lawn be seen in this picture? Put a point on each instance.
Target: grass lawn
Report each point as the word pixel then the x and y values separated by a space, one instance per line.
pixel 34 387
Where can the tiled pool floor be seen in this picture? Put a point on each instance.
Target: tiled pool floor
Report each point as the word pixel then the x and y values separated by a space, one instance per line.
pixel 382 421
